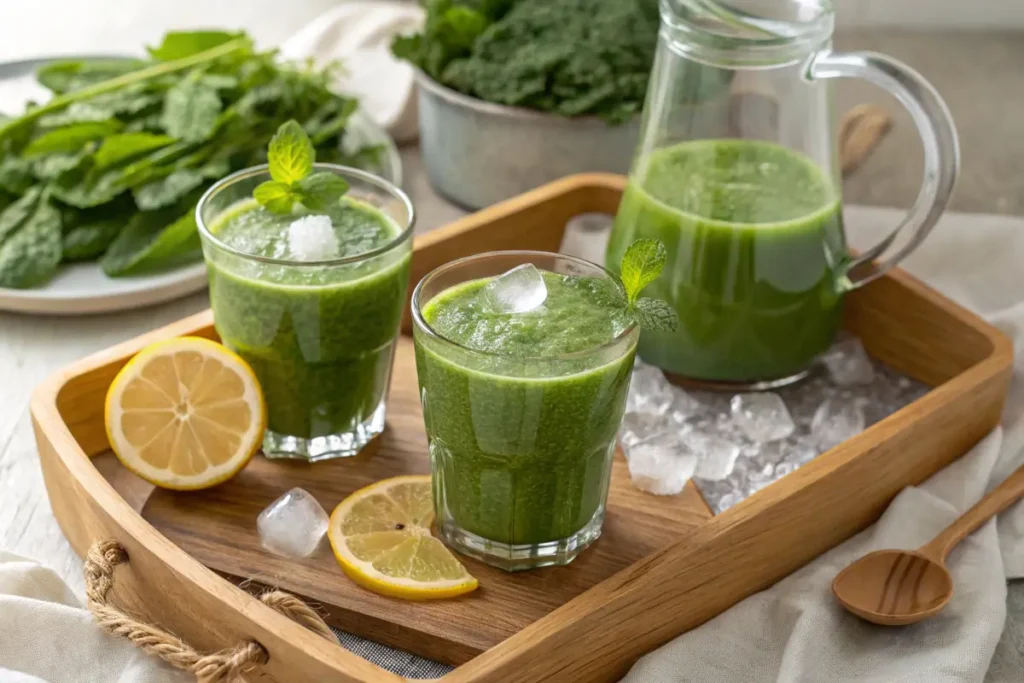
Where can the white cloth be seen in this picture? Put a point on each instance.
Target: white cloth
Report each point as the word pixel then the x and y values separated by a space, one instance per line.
pixel 47 637
pixel 359 34
pixel 795 632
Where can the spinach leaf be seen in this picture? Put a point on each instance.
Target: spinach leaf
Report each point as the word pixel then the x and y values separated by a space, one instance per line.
pixel 30 256
pixel 180 44
pixel 70 138
pixel 153 240
pixel 191 110
pixel 15 174
pixel 15 215
pixel 124 146
pixel 65 76
pixel 167 191
pixel 87 241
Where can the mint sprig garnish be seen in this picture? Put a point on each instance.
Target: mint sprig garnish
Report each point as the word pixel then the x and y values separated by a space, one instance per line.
pixel 291 157
pixel 640 266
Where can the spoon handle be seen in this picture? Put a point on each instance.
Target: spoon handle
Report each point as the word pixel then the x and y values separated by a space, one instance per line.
pixel 1002 497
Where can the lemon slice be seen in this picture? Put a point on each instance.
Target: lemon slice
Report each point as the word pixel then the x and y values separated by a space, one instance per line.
pixel 381 538
pixel 185 413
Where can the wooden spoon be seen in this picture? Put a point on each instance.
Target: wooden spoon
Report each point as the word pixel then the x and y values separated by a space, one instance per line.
pixel 899 587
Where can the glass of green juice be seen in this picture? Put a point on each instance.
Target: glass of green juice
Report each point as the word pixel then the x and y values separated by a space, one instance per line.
pixel 742 185
pixel 312 300
pixel 524 361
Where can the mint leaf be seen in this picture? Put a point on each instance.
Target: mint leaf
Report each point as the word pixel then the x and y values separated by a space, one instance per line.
pixel 191 110
pixel 655 314
pixel 275 196
pixel 118 148
pixel 180 44
pixel 164 192
pixel 70 138
pixel 290 154
pixel 321 190
pixel 30 256
pixel 641 265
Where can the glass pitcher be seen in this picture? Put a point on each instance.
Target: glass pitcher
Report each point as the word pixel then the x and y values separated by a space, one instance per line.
pixel 737 173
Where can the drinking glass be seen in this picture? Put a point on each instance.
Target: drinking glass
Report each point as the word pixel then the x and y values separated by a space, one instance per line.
pixel 320 335
pixel 520 448
pixel 737 173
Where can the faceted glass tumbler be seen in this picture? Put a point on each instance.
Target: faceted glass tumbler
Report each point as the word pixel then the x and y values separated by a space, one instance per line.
pixel 320 335
pixel 520 448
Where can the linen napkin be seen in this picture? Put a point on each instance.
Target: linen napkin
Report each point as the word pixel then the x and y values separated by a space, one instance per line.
pixel 359 33
pixel 47 637
pixel 795 632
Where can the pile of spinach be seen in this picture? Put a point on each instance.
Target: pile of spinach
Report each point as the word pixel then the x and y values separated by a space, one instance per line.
pixel 571 57
pixel 111 167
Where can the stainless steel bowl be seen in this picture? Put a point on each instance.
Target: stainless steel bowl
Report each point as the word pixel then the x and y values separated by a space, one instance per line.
pixel 478 153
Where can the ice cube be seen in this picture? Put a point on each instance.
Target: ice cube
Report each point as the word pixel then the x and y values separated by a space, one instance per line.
pixel 649 391
pixel 763 417
pixel 716 456
pixel 293 524
pixel 848 363
pixel 312 238
pixel 637 427
pixel 520 290
pixel 685 406
pixel 659 466
pixel 835 421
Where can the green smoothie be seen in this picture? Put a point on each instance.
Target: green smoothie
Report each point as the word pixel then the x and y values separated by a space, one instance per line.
pixel 522 409
pixel 319 337
pixel 755 243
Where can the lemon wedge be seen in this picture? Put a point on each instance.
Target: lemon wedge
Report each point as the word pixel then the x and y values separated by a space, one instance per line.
pixel 381 538
pixel 185 414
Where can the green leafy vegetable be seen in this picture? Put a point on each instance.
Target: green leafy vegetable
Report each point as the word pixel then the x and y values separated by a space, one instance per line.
pixel 118 148
pixel 122 152
pixel 191 110
pixel 154 240
pixel 290 157
pixel 70 138
pixel 277 197
pixel 65 76
pixel 166 191
pixel 31 251
pixel 640 266
pixel 290 154
pixel 319 190
pixel 571 57
pixel 87 241
pixel 655 314
pixel 179 44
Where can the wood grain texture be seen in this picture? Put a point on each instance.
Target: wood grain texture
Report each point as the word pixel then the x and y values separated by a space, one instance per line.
pixel 595 636
pixel 217 527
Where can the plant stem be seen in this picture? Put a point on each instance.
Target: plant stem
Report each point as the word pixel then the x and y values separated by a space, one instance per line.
pixel 125 79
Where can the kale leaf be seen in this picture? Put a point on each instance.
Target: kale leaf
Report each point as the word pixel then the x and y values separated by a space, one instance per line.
pixel 570 57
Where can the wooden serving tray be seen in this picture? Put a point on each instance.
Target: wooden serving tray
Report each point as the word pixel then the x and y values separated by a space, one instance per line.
pixel 663 566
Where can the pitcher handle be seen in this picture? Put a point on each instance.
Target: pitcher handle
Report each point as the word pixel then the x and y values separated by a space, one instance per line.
pixel 938 135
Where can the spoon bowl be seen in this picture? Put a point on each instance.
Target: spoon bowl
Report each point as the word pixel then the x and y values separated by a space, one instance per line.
pixel 899 587
pixel 894 587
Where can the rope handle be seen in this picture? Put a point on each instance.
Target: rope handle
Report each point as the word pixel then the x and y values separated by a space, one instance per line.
pixel 223 666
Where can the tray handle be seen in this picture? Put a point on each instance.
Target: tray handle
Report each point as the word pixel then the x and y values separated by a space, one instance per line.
pixel 223 666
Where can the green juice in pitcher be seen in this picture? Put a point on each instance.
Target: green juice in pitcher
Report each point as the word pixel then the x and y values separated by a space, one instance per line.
pixel 755 246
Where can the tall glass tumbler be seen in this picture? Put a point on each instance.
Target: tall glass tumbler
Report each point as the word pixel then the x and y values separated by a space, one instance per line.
pixel 320 335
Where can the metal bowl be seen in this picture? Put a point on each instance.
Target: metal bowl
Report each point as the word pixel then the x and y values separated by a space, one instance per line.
pixel 478 153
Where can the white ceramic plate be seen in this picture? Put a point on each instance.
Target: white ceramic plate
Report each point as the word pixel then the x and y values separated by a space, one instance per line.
pixel 84 288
